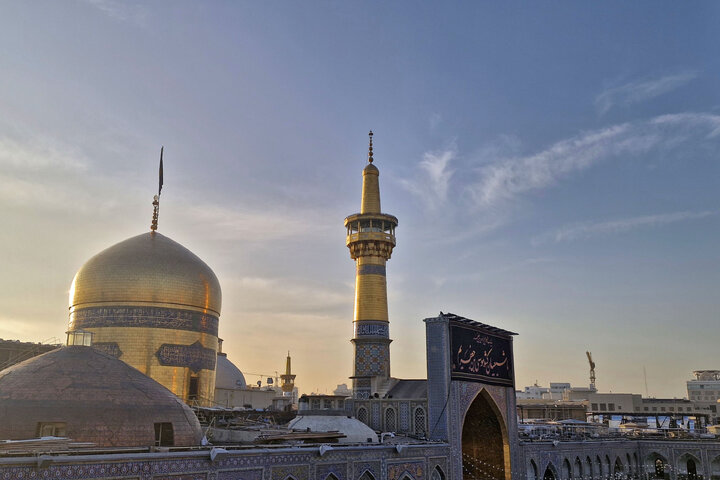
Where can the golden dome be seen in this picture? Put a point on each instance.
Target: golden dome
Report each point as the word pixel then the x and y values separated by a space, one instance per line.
pixel 149 269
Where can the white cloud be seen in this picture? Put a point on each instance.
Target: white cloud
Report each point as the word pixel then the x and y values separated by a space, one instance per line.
pixel 38 154
pixel 253 225
pixel 591 229
pixel 638 91
pixel 506 178
pixel 431 184
pixel 121 11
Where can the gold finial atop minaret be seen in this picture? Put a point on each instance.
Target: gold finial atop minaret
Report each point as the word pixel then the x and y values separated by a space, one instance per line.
pixel 156 198
pixel 371 188
pixel 370 157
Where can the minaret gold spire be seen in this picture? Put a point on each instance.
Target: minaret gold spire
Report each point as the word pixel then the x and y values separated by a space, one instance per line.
pixel 371 239
pixel 288 380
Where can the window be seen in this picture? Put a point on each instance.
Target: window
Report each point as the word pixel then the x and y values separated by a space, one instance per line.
pixel 51 429
pixel 327 403
pixel 672 409
pixel 646 409
pixel 341 404
pixel 362 415
pixel 164 435
pixel 367 476
pixel 390 419
pixel 662 409
pixel 603 407
pixel 594 406
pixel 611 407
pixel 315 404
pixel 654 409
pixel 419 420
pixel 193 388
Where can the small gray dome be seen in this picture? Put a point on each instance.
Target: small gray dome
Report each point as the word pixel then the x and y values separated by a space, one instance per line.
pixel 227 375
pixel 90 397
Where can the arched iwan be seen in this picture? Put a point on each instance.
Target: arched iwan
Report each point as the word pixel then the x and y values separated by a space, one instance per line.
pixel 485 444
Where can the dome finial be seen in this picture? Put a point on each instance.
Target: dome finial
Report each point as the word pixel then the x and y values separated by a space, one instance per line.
pixel 156 198
pixel 370 152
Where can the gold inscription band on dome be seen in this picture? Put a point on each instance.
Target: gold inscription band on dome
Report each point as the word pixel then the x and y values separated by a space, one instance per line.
pixel 145 317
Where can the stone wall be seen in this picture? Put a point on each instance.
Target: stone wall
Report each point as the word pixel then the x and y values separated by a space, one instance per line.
pixel 376 462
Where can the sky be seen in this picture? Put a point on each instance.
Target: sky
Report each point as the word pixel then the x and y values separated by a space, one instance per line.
pixel 554 168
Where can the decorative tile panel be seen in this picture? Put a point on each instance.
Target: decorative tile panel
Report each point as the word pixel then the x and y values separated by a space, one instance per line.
pixel 416 470
pixel 195 356
pixel 298 472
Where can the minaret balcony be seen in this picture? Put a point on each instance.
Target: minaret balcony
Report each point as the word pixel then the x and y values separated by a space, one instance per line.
pixel 370 237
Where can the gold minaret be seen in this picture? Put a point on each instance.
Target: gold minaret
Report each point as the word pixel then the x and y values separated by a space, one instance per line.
pixel 371 239
pixel 288 380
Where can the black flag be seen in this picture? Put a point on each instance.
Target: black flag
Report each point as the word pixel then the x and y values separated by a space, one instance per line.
pixel 161 172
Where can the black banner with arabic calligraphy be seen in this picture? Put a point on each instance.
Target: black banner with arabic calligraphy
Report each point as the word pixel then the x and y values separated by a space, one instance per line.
pixel 480 356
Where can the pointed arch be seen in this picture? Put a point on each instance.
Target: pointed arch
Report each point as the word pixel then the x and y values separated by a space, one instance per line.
pixel 588 468
pixel 550 472
pixel 406 476
pixel 715 468
pixel 485 439
pixel 689 467
pixel 656 466
pixel 331 476
pixel 577 468
pixel 618 469
pixel 366 475
pixel 437 473
pixel 565 470
pixel 532 470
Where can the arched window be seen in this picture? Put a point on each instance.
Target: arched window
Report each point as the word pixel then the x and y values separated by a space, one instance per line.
pixel 691 469
pixel 407 476
pixel 566 470
pixel 588 468
pixel 331 476
pixel 390 425
pixel 549 474
pixel 577 469
pixel 437 473
pixel 362 415
pixel 619 471
pixel 659 468
pixel 419 421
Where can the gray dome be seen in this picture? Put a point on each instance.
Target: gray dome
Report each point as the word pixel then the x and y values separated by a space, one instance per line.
pixel 227 375
pixel 90 397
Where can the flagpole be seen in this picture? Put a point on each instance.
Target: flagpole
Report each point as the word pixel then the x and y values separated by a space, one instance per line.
pixel 156 198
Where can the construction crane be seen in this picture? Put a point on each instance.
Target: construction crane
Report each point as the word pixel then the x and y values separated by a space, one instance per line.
pixel 592 371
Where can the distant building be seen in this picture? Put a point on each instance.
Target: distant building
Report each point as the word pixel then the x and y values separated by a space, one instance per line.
pixel 540 409
pixel 557 390
pixel 15 351
pixel 704 390
pixel 533 392
pixel 343 390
